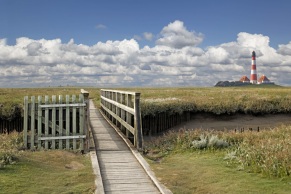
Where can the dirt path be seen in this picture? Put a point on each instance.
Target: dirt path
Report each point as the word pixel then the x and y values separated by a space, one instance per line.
pixel 206 121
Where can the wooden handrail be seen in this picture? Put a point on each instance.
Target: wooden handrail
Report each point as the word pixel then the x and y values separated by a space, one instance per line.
pixel 122 108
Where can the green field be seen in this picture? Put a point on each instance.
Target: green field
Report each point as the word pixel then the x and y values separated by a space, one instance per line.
pixel 250 100
pixel 199 161
pixel 11 99
pixel 55 171
pixel 253 162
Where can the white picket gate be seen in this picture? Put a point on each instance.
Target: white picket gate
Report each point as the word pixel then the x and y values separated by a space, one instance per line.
pixel 56 123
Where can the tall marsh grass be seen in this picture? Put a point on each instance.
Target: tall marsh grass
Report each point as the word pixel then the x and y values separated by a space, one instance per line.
pixel 267 152
pixel 10 144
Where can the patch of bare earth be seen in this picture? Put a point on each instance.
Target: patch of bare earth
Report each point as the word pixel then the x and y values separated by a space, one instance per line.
pixel 74 165
pixel 237 121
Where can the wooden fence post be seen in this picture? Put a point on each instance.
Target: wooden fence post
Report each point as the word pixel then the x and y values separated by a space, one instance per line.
pixel 32 122
pixel 81 120
pixel 67 121
pixel 25 122
pixel 86 114
pixel 137 122
pixel 74 122
pixel 46 122
pixel 39 121
pixel 54 122
pixel 60 122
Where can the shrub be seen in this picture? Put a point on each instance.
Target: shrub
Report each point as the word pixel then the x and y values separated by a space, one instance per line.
pixel 9 148
pixel 200 144
pixel 210 141
pixel 215 142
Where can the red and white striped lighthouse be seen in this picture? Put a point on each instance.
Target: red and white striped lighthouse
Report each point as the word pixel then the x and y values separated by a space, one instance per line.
pixel 253 78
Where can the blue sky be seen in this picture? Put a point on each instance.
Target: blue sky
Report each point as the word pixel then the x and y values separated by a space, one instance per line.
pixel 219 21
pixel 214 29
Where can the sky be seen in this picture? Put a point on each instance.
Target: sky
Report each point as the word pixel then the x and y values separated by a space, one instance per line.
pixel 138 43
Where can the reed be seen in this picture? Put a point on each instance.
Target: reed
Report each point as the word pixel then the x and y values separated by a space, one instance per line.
pixel 10 144
pixel 267 152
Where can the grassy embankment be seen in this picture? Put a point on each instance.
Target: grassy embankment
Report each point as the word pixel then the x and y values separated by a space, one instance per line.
pixel 42 171
pixel 223 162
pixel 11 99
pixel 250 100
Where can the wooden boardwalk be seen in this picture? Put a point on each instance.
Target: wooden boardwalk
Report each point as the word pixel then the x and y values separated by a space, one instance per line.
pixel 120 170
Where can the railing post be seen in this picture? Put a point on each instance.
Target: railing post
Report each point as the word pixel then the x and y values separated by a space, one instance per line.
pixel 25 122
pixel 137 122
pixel 87 116
pixel 128 116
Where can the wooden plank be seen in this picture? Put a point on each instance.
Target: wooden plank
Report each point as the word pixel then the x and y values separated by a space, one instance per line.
pixel 82 119
pixel 128 188
pixel 118 91
pixel 61 133
pixel 50 106
pixel 114 181
pixel 124 107
pixel 106 136
pixel 32 126
pixel 116 160
pixel 67 121
pixel 63 137
pixel 125 186
pixel 74 120
pixel 122 165
pixel 25 121
pixel 39 122
pixel 111 145
pixel 127 171
pixel 50 123
pixel 53 122
pixel 131 192
pixel 46 128
pixel 127 125
pixel 116 176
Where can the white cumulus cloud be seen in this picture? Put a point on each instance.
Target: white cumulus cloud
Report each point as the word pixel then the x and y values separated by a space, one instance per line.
pixel 175 60
pixel 176 35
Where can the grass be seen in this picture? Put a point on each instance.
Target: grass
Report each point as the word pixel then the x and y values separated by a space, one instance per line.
pixel 11 99
pixel 254 100
pixel 254 162
pixel 181 167
pixel 55 171
pixel 48 172
pixel 207 172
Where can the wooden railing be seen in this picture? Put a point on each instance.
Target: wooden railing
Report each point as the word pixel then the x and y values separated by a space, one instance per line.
pixel 122 108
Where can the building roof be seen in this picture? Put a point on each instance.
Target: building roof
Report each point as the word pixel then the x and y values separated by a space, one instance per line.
pixel 263 78
pixel 244 79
